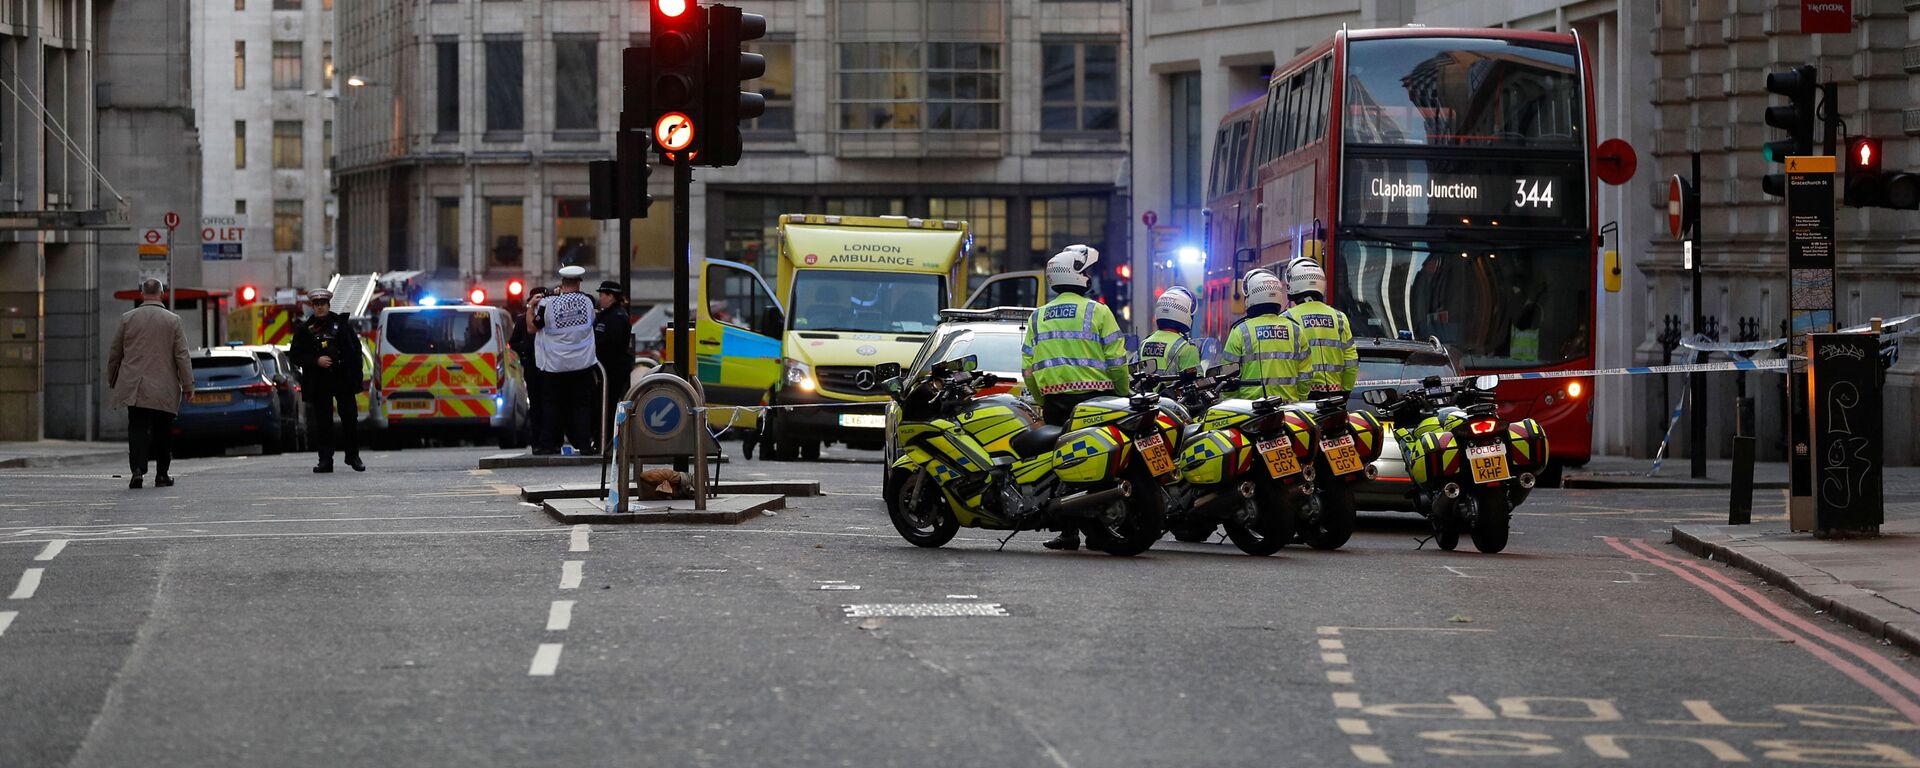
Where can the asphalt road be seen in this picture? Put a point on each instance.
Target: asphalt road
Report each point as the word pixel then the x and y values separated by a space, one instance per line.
pixel 419 614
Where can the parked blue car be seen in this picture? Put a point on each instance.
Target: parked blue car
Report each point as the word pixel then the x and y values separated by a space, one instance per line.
pixel 242 396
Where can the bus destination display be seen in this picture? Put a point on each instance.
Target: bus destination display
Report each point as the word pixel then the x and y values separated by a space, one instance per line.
pixel 1453 193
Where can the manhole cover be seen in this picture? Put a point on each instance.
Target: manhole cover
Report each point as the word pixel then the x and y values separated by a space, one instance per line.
pixel 923 610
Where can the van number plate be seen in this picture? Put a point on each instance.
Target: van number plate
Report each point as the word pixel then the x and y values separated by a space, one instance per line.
pixel 1489 463
pixel 1342 457
pixel 1278 454
pixel 1153 448
pixel 863 420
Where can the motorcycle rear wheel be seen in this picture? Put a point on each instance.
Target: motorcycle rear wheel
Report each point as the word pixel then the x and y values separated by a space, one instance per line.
pixel 1273 522
pixel 1491 517
pixel 919 511
pixel 1146 518
pixel 1337 515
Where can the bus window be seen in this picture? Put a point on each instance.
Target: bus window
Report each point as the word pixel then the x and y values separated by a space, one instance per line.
pixel 1219 160
pixel 1326 96
pixel 1237 156
pixel 1310 104
pixel 1464 91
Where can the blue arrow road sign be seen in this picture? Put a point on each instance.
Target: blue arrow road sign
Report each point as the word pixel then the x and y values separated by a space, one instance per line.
pixel 661 415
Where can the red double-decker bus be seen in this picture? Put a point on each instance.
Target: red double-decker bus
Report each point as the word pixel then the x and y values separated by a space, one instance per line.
pixel 1443 179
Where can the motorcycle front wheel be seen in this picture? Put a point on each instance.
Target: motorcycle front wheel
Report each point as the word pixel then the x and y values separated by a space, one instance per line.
pixel 1274 504
pixel 1144 518
pixel 918 510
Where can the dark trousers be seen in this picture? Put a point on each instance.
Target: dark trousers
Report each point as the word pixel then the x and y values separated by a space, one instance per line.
pixel 618 379
pixel 320 425
pixel 573 410
pixel 149 437
pixel 537 415
pixel 1057 409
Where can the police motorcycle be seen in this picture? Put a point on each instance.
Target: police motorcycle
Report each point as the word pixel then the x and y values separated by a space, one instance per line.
pixel 1470 467
pixel 1346 444
pixel 988 462
pixel 1218 483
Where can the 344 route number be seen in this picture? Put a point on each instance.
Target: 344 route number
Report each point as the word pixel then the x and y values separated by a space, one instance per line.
pixel 1532 193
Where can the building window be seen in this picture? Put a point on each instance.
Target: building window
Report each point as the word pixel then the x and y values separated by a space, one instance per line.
pixel 752 228
pixel 1062 221
pixel 1080 88
pixel 1188 136
pixel 239 144
pixel 777 87
pixel 326 141
pixel 289 225
pixel 889 86
pixel 288 137
pixel 239 65
pixel 239 207
pixel 239 5
pixel 986 219
pixel 505 228
pixel 963 86
pixel 326 64
pixel 506 110
pixel 865 206
pixel 576 84
pixel 446 231
pixel 286 5
pixel 286 66
pixel 575 233
pixel 446 90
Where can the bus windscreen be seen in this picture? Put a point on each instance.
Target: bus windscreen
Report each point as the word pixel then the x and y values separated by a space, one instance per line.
pixel 1467 92
pixel 1507 308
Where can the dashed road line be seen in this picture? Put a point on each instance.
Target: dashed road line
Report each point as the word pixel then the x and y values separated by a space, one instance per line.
pixel 577 541
pixel 52 550
pixel 1333 652
pixel 570 574
pixel 1371 755
pixel 1333 658
pixel 1340 676
pixel 545 660
pixel 1353 726
pixel 29 583
pixel 1346 699
pixel 6 620
pixel 560 615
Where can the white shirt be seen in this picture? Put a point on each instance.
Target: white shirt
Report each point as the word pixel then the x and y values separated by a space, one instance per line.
pixel 565 341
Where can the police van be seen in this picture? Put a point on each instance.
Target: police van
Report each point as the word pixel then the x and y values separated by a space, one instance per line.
pixel 446 371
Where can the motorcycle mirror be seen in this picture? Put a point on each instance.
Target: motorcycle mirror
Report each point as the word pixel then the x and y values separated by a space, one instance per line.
pixel 1145 366
pixel 1486 383
pixel 885 371
pixel 1225 371
pixel 1378 397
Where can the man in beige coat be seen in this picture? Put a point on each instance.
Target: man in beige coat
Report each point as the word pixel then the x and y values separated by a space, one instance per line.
pixel 150 375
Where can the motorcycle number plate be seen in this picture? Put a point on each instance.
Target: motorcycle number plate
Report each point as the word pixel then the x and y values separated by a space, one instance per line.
pixel 1489 463
pixel 1153 448
pixel 1279 457
pixel 1342 457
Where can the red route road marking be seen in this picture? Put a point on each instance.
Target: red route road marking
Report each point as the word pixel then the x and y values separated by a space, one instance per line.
pixel 1711 582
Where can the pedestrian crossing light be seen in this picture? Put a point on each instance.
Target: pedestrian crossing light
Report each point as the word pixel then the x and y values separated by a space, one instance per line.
pixel 1796 117
pixel 1869 186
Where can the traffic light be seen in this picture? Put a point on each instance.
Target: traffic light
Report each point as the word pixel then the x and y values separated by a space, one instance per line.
pixel 516 290
pixel 477 296
pixel 1796 117
pixel 728 28
pixel 247 294
pixel 677 40
pixel 1867 186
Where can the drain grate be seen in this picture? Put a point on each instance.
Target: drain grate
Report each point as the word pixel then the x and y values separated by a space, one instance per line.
pixel 923 610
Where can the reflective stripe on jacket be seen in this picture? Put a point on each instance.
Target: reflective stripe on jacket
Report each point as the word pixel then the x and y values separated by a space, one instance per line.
pixel 1331 361
pixel 1270 353
pixel 1073 345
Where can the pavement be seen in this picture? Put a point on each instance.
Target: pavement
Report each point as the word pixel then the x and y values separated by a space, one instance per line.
pixel 1675 472
pixel 59 453
pixel 1871 584
pixel 421 614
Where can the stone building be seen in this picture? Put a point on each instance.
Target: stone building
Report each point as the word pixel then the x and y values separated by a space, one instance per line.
pixel 466 153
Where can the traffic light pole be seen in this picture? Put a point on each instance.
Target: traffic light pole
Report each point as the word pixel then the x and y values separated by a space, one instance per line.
pixel 683 279
pixel 1697 381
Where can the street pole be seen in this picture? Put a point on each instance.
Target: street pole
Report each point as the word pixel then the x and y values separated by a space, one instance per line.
pixel 169 269
pixel 683 277
pixel 1697 381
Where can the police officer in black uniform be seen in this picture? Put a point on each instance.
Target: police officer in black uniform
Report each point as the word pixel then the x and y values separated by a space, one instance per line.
pixel 327 351
pixel 613 345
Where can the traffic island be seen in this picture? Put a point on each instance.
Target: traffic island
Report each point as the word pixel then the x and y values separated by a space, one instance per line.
pixel 524 459
pixel 1872 585
pixel 725 509
pixel 541 493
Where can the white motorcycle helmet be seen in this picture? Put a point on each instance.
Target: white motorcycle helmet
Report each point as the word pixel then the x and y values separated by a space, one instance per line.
pixel 1070 266
pixel 1175 304
pixel 1261 286
pixel 1306 276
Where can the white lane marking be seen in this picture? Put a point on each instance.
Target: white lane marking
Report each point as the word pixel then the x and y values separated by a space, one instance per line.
pixel 52 550
pixel 321 534
pixel 6 620
pixel 560 616
pixel 963 597
pixel 570 574
pixel 1459 573
pixel 1327 630
pixel 29 582
pixel 82 529
pixel 578 540
pixel 1353 726
pixel 545 660
pixel 1332 645
pixel 1340 676
pixel 1371 755
pixel 1333 658
pixel 840 587
pixel 1346 700
pixel 1337 630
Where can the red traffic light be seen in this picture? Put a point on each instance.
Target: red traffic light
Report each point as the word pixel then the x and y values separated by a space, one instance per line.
pixel 477 296
pixel 671 8
pixel 248 294
pixel 515 288
pixel 1125 271
pixel 1863 154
